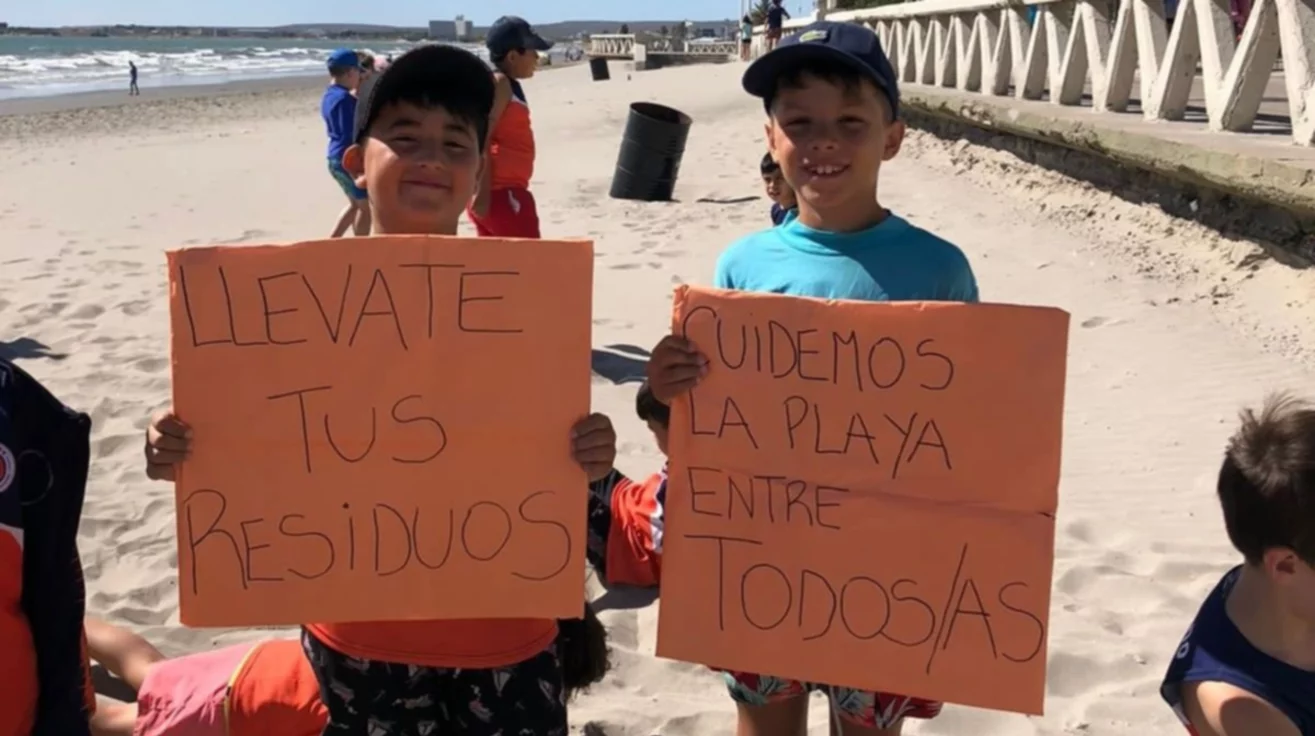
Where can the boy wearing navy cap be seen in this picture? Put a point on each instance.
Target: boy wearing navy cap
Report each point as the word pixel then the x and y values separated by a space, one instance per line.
pixel 832 105
pixel 504 206
pixel 416 139
pixel 338 107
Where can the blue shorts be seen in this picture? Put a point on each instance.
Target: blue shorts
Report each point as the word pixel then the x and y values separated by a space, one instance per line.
pixel 345 180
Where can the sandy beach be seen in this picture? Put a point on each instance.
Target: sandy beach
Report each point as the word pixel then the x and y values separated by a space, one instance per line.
pixel 1174 329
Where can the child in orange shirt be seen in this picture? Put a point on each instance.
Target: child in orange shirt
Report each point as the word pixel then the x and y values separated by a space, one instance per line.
pixel 420 129
pixel 626 518
pixel 256 689
pixel 263 688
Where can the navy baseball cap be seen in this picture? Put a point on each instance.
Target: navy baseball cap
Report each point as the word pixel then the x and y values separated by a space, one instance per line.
pixel 512 33
pixel 345 58
pixel 433 66
pixel 850 44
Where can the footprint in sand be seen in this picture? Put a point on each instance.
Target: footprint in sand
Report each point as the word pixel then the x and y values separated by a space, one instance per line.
pixel 134 308
pixel 112 444
pixel 151 365
pixel 87 311
pixel 624 267
pixel 1094 322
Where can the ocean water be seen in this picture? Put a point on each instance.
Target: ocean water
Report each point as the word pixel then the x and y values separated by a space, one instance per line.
pixel 39 66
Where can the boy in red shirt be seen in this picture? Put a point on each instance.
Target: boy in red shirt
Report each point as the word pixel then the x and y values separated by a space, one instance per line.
pixel 420 131
pixel 504 207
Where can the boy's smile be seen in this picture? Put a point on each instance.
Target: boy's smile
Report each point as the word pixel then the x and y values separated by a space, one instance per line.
pixel 421 167
pixel 831 139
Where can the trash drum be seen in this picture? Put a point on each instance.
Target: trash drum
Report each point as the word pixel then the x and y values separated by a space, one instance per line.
pixel 598 69
pixel 651 149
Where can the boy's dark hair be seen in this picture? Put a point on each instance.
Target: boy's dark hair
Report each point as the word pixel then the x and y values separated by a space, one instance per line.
pixel 338 71
pixel 431 76
pixel 838 73
pixel 769 165
pixel 1267 482
pixel 648 407
pixel 582 646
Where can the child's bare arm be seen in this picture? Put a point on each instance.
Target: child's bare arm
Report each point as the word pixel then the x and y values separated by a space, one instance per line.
pixel 1220 709
pixel 501 98
pixel 126 655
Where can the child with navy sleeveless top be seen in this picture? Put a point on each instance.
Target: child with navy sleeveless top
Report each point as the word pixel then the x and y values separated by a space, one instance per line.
pixel 1247 664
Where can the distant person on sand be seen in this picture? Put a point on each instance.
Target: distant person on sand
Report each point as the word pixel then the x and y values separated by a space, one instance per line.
pixel 338 107
pixel 626 517
pixel 778 190
pixel 419 133
pixel 746 37
pixel 776 15
pixel 832 102
pixel 1246 666
pixel 504 206
pixel 132 80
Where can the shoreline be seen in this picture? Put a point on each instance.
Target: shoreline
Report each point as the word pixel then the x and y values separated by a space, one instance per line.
pixel 99 99
pixel 166 109
pixel 69 101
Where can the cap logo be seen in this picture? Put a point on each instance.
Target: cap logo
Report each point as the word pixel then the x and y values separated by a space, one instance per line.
pixel 815 35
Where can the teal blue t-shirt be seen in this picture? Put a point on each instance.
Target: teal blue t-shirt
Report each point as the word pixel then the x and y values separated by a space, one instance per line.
pixel 891 261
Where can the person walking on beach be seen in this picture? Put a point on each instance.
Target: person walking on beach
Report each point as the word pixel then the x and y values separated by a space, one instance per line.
pixel 133 91
pixel 776 15
pixel 746 37
pixel 503 206
pixel 339 111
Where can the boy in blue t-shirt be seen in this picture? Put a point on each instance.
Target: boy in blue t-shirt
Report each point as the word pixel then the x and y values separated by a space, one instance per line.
pixel 1247 664
pixel 833 118
pixel 339 111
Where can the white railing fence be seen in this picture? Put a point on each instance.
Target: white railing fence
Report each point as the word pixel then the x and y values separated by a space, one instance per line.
pixel 622 45
pixel 989 46
pixel 612 44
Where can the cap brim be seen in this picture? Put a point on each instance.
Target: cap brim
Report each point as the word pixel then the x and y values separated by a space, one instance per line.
pixel 426 66
pixel 539 42
pixel 760 78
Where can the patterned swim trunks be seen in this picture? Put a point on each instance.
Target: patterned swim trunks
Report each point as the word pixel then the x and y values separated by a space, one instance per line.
pixel 866 709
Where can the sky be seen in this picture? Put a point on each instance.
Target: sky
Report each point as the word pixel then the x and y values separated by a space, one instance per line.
pixel 385 12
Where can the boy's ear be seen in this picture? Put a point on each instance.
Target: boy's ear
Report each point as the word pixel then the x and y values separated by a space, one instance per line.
pixel 353 162
pixel 894 139
pixel 771 139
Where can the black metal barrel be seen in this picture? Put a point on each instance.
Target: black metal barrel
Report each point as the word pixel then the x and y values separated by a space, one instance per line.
pixel 598 69
pixel 651 149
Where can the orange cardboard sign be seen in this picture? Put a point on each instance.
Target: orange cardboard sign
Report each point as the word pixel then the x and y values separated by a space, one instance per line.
pixel 381 429
pixel 863 494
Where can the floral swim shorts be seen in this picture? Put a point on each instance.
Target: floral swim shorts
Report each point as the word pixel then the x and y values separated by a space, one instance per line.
pixel 869 710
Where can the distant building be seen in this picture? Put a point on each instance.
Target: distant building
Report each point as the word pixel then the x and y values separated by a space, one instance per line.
pixel 443 30
pixel 462 28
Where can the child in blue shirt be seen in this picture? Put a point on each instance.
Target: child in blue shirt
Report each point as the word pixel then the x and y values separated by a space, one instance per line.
pixel 338 107
pixel 832 104
pixel 1247 664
